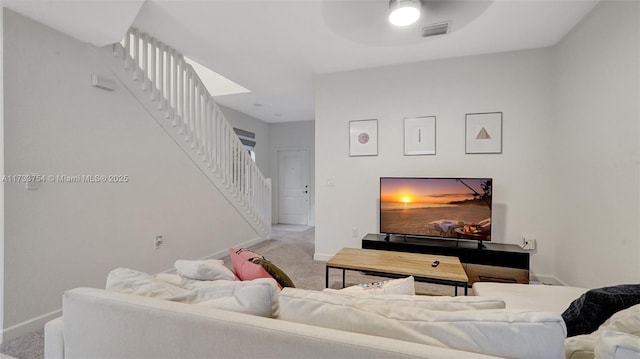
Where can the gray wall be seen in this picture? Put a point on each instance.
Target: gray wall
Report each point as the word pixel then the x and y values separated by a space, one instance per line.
pixel 66 235
pixel 595 139
pixel 516 83
pixel 569 171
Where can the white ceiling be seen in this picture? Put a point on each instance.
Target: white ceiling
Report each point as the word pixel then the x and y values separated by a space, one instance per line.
pixel 275 48
pixel 100 22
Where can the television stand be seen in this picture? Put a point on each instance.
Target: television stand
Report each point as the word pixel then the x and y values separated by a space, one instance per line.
pixel 388 236
pixel 483 261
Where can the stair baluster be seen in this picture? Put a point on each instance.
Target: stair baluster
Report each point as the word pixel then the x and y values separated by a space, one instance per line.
pixel 187 108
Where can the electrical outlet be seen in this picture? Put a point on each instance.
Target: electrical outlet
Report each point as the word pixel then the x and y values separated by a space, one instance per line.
pixel 354 232
pixel 531 243
pixel 157 242
pixel 528 242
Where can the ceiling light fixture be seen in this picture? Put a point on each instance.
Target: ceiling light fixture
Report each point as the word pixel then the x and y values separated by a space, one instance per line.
pixel 404 12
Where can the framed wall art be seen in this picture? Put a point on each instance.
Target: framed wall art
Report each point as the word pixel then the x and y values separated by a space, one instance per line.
pixel 483 132
pixel 363 138
pixel 420 136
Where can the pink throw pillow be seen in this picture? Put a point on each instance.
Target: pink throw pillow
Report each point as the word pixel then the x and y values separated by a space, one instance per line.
pixel 244 268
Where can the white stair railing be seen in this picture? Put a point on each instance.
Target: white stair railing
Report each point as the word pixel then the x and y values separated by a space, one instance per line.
pixel 186 105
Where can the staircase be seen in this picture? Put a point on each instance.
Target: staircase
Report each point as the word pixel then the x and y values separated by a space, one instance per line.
pixel 175 97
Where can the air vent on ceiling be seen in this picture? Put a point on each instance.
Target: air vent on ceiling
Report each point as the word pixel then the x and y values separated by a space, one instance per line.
pixel 435 29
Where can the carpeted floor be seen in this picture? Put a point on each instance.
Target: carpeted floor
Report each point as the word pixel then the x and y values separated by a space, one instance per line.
pixel 291 248
pixel 29 346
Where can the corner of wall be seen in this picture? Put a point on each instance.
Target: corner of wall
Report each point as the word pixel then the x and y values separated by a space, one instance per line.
pixel 1 172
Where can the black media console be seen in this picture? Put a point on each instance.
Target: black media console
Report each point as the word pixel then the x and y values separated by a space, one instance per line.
pixel 495 262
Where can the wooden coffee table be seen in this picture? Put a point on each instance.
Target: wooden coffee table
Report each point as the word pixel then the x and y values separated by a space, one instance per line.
pixel 394 264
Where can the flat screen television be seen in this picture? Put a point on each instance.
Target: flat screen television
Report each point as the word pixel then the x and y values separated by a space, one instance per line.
pixel 458 208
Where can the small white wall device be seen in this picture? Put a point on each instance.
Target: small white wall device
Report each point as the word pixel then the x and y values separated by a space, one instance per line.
pixel 102 82
pixel 528 242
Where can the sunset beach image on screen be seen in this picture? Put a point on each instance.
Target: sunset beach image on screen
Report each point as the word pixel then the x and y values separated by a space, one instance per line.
pixel 436 207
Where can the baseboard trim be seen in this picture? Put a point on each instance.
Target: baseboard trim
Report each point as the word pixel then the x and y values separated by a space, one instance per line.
pixel 28 326
pixel 223 253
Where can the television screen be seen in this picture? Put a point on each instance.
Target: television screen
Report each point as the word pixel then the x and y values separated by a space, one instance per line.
pixel 436 207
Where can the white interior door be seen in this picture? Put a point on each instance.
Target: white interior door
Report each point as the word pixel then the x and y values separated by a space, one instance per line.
pixel 293 187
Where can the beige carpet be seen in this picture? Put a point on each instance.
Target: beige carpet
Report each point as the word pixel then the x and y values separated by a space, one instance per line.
pixel 291 248
pixel 29 346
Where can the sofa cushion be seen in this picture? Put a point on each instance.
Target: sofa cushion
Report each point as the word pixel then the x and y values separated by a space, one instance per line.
pixel 419 301
pixel 494 332
pixel 256 297
pixel 617 345
pixel 130 281
pixel 583 346
pixel 545 298
pixel 594 307
pixel 393 286
pixel 182 282
pixel 209 269
pixel 616 335
pixel 580 346
pixel 412 301
pixel 441 303
pixel 625 321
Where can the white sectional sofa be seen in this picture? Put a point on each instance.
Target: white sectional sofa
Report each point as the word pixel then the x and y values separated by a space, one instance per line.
pixel 617 338
pixel 104 324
